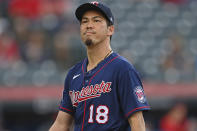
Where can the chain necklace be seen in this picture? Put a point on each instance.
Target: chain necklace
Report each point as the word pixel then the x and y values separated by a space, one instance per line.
pixel 106 56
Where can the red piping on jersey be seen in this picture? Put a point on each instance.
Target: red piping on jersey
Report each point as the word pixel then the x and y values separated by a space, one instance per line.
pixel 136 109
pixel 65 109
pixel 102 68
pixel 84 115
pixel 84 101
pixel 83 71
pixel 82 66
pixel 90 82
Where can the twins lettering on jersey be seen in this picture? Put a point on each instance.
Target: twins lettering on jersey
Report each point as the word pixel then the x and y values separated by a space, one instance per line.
pixel 89 92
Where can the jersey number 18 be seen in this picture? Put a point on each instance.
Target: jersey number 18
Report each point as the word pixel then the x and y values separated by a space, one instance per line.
pixel 102 114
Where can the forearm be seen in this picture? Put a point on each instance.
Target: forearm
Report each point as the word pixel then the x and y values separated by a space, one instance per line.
pixel 136 122
pixel 63 122
pixel 58 127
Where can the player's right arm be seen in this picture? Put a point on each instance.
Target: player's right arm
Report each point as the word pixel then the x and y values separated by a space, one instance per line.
pixel 63 122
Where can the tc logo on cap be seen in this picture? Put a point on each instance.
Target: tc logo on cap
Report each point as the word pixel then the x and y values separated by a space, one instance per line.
pixel 95 3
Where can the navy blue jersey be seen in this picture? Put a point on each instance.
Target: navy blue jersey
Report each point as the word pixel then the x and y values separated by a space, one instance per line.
pixel 103 98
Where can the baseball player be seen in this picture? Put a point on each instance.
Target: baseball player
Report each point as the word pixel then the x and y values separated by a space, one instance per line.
pixel 104 91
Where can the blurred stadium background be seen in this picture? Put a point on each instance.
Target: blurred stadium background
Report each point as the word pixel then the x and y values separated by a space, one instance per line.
pixel 39 42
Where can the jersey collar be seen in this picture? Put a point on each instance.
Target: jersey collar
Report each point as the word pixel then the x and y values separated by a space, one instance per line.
pixel 94 70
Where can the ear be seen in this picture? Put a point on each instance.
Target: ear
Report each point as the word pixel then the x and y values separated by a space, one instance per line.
pixel 111 30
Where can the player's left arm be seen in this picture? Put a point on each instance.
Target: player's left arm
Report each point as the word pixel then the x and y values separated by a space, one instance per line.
pixel 136 121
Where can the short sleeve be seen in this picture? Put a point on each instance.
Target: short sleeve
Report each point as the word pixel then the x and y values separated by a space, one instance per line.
pixel 66 104
pixel 131 92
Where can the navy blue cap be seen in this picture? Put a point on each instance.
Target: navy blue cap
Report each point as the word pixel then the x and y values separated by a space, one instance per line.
pixel 95 6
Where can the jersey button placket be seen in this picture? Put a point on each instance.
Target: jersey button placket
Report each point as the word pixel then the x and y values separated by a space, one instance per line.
pixel 85 84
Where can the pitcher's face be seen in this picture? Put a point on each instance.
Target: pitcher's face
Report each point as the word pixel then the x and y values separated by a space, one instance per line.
pixel 93 28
